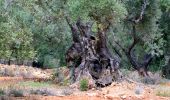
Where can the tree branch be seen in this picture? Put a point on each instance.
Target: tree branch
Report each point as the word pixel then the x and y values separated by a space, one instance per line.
pixel 147 59
pixel 124 50
pixel 114 48
pixel 68 21
pixel 135 39
pixel 142 11
pixel 74 29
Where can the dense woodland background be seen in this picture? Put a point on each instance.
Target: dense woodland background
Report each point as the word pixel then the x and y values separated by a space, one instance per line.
pixel 36 30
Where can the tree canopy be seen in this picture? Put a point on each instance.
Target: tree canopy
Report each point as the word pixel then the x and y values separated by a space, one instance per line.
pixel 38 30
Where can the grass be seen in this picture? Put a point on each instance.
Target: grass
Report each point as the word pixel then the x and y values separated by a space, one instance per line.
pixel 163 91
pixel 84 85
pixel 35 84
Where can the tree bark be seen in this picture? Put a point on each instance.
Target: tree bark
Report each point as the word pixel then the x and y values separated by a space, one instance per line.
pixel 90 57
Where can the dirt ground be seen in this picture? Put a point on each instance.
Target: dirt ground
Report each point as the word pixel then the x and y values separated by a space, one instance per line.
pixel 125 90
pixel 116 91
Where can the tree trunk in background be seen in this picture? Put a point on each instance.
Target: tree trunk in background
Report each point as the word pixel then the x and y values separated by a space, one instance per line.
pixel 89 57
pixel 166 31
pixel 140 65
pixel 166 68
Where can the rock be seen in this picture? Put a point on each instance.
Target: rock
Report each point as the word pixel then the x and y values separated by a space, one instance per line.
pixel 123 97
pixel 139 90
pixel 92 94
pixel 75 85
pixel 93 89
pixel 91 84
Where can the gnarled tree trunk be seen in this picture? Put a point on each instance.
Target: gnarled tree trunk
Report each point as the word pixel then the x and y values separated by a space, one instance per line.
pixel 89 56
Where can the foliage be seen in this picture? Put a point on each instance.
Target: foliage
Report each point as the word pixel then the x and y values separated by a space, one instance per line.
pixel 148 32
pixel 84 84
pixel 16 38
pixel 2 92
pixel 16 93
pixel 37 30
pixel 101 12
pixel 34 33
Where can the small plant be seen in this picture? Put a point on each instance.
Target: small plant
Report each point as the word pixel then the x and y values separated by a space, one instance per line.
pixel 16 93
pixel 46 92
pixel 83 85
pixel 67 92
pixel 2 92
pixel 148 80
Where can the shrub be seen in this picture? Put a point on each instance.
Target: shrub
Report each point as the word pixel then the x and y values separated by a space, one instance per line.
pixel 83 85
pixel 45 91
pixel 58 77
pixel 50 62
pixel 2 92
pixel 16 93
pixel 148 80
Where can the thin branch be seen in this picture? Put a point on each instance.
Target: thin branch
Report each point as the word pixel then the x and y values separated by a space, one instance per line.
pixel 135 39
pixel 114 48
pixel 68 21
pixel 124 50
pixel 142 11
pixel 8 3
pixel 74 29
pixel 147 59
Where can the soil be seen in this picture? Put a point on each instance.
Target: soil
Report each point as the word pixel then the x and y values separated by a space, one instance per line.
pixel 124 90
pixel 116 91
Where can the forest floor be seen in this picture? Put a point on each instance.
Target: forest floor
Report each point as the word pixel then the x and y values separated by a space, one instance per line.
pixel 36 87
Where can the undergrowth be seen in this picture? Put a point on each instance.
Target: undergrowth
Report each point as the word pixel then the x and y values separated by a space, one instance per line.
pixel 84 85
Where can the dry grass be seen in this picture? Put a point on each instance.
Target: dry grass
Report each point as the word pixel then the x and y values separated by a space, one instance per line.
pixel 26 88
pixel 154 78
pixel 24 71
pixel 163 91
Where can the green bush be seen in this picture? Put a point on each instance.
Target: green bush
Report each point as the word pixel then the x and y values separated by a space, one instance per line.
pixel 44 91
pixel 50 62
pixel 16 93
pixel 2 92
pixel 84 85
